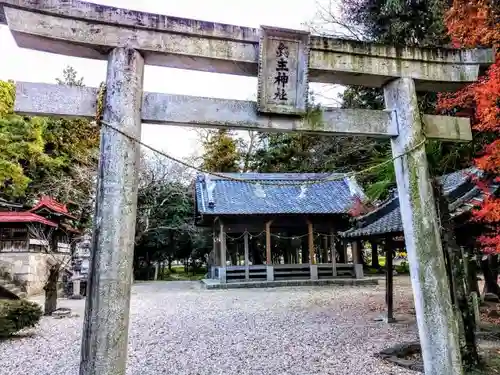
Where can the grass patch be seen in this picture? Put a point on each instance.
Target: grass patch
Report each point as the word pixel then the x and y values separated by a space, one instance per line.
pixel 178 274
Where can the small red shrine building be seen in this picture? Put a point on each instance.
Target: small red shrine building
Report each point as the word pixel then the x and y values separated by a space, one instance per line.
pixel 31 239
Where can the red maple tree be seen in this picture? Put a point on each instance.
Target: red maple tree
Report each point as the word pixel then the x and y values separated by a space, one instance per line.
pixel 472 24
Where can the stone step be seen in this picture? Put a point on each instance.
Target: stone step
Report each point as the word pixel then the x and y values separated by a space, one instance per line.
pixel 14 289
pixel 10 286
pixel 4 281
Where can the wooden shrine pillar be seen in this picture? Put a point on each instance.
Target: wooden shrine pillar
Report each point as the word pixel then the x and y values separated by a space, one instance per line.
pixel 324 253
pixel 374 246
pixel 223 252
pixel 304 247
pixel 389 278
pixel 310 243
pixel 269 259
pixel 215 249
pixel 313 267
pixel 247 257
pixel 354 252
pixel 268 243
pixel 332 253
pixel 357 259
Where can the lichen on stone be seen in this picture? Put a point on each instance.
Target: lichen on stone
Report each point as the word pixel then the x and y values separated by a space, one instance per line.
pixel 100 103
pixel 314 118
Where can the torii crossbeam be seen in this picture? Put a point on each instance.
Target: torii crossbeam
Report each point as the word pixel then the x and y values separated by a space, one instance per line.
pixel 284 61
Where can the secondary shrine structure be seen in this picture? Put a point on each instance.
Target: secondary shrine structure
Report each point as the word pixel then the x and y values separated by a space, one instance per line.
pixel 285 61
pixel 31 239
pixel 383 227
pixel 288 232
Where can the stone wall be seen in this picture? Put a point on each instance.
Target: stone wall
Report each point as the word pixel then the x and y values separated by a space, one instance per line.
pixel 30 270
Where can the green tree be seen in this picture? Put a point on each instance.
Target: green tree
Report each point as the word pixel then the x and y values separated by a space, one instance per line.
pixel 165 229
pixel 221 152
pixel 47 156
pixel 400 23
pixel 70 77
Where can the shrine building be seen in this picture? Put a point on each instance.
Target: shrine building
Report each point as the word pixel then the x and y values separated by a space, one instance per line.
pixel 277 226
pixel 30 239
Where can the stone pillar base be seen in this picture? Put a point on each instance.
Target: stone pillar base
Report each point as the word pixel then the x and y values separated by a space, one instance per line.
pixel 314 271
pixel 270 273
pixel 222 274
pixel 76 289
pixel 358 271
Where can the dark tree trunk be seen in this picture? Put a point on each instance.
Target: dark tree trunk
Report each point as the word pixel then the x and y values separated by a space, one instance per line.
pixel 489 267
pixel 286 255
pixel 461 300
pixel 361 253
pixel 293 251
pixel 51 291
pixel 340 250
pixel 375 263
pixel 233 254
pixel 304 245
pixel 170 264
pixel 148 266
pixel 326 249
pixel 255 251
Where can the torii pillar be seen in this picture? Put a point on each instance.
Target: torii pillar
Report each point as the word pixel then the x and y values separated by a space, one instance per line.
pixel 105 331
pixel 437 325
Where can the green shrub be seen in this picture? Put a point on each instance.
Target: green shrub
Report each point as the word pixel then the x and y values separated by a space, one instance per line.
pixel 404 267
pixel 18 314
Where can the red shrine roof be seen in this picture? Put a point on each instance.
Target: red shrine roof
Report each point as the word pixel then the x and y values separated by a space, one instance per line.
pixel 52 205
pixel 24 217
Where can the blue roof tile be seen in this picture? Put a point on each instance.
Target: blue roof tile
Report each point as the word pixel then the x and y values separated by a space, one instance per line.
pixel 221 196
pixel 457 186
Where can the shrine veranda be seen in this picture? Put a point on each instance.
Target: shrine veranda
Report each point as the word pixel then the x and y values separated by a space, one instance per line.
pixel 284 61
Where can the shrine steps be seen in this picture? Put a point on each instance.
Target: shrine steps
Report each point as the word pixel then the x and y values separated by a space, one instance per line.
pixel 216 284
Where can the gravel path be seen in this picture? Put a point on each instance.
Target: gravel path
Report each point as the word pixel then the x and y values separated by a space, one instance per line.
pixel 180 329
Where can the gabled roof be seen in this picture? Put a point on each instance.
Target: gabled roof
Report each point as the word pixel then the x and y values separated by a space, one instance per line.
pixel 52 205
pixel 24 217
pixel 458 186
pixel 251 194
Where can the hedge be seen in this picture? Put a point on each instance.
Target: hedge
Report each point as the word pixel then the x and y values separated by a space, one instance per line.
pixel 16 315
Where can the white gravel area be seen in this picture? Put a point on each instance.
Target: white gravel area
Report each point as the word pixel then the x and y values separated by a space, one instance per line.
pixel 178 328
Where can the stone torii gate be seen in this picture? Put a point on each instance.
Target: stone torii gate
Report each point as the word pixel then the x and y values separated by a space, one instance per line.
pixel 284 61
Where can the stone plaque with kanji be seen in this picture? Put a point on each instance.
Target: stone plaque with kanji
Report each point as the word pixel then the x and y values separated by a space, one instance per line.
pixel 283 71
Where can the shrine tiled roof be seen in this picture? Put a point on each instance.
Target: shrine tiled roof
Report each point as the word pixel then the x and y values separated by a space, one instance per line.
pixel 251 194
pixel 24 217
pixel 52 205
pixel 460 190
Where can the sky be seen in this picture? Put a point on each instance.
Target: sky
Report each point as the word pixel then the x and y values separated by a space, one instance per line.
pixel 32 66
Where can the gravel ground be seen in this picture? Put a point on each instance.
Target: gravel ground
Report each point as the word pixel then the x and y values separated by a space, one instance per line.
pixel 180 329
